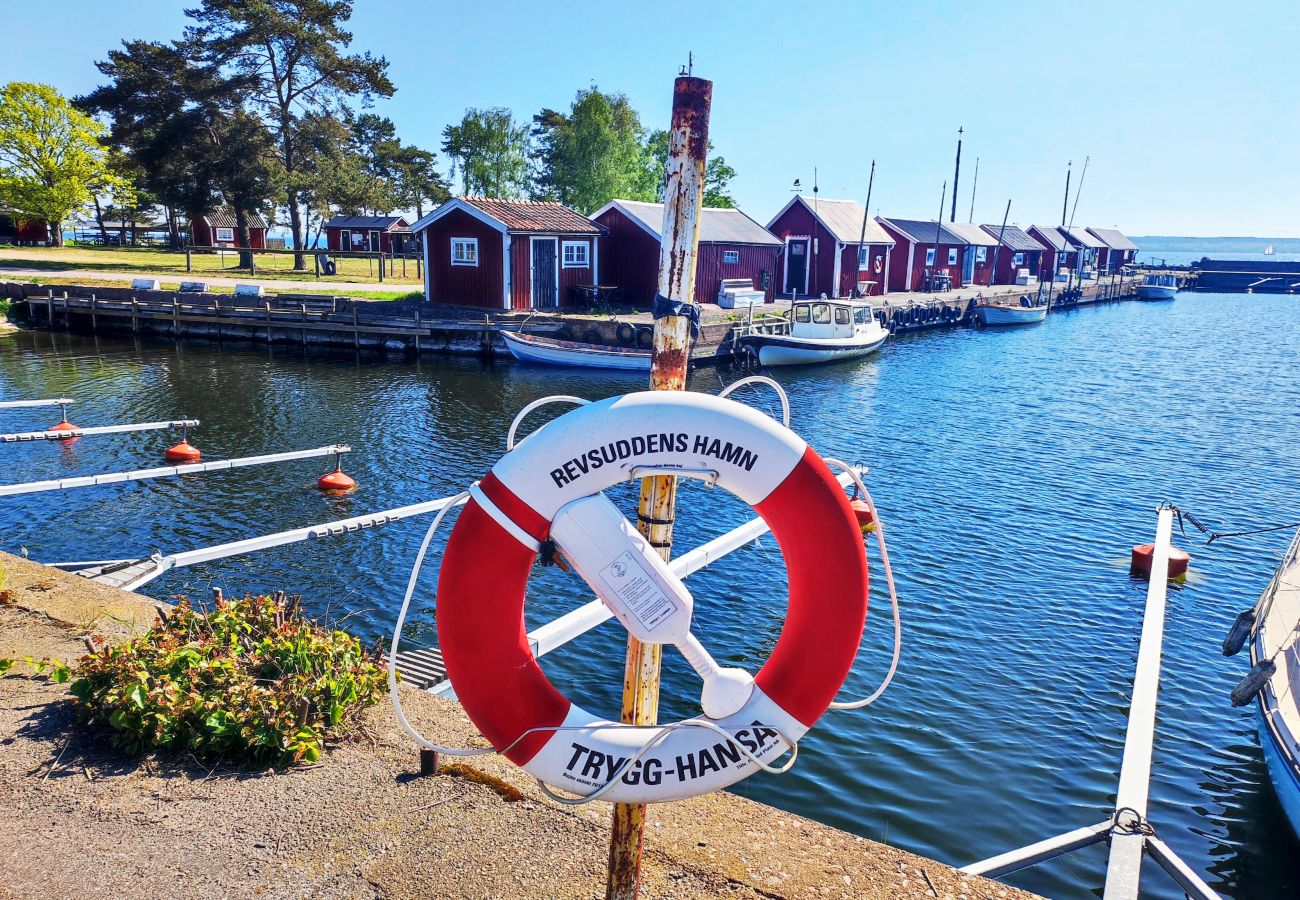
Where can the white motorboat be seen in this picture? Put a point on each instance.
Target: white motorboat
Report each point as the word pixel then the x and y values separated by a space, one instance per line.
pixel 1274 680
pixel 533 348
pixel 1158 287
pixel 1005 312
pixel 818 331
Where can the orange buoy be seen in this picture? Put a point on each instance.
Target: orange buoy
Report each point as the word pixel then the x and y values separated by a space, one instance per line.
pixel 336 481
pixel 65 425
pixel 1144 555
pixel 184 452
pixel 862 512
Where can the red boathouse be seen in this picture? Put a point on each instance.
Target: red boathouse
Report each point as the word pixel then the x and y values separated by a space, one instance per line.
pixel 1058 252
pixel 732 245
pixel 1017 252
pixel 821 253
pixel 923 252
pixel 368 234
pixel 506 254
pixel 218 229
pixel 1120 251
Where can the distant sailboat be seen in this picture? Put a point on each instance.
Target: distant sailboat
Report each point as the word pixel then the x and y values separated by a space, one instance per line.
pixel 1268 251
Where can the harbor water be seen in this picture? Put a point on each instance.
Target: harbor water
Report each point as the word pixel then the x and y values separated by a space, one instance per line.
pixel 1014 469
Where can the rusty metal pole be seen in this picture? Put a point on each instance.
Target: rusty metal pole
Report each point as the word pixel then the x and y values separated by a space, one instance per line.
pixel 675 318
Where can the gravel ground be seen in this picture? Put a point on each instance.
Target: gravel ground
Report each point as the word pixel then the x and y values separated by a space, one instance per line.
pixel 85 821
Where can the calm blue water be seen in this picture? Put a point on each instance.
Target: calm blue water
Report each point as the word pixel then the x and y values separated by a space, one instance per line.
pixel 1014 468
pixel 1158 256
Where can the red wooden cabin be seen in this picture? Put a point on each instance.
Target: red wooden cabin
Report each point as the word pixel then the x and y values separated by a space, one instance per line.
pixel 1120 251
pixel 506 254
pixel 732 245
pixel 369 234
pixel 821 252
pixel 1058 252
pixel 1091 251
pixel 218 229
pixel 15 229
pixel 1017 251
pixel 923 250
pixel 977 257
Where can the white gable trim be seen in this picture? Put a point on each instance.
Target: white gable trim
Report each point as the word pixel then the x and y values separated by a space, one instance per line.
pixel 452 206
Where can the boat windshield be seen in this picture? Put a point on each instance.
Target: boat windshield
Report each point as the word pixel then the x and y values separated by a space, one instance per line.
pixel 822 314
pixel 843 315
pixel 862 315
pixel 801 313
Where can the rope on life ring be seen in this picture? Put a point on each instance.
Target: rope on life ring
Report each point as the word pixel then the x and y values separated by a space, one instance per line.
pixel 625 334
pixel 550 489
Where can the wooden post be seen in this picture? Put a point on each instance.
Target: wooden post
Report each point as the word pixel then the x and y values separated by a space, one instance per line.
pixel 94 319
pixel 356 335
pixel 303 307
pixel 670 354
pixel 189 263
pixel 267 304
pixel 176 320
pixel 135 312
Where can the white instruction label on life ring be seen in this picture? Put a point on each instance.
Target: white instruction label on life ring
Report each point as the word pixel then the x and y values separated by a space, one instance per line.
pixel 637 591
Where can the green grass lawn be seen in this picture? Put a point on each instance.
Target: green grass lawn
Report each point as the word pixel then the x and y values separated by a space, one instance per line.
pixel 167 262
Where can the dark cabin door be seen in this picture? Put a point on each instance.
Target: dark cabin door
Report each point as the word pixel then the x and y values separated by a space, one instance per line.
pixel 545 289
pixel 374 242
pixel 796 267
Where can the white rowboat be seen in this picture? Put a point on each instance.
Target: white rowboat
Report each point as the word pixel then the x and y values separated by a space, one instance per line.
pixel 531 348
pixel 993 314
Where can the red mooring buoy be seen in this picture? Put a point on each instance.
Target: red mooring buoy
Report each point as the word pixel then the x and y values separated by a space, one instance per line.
pixel 184 452
pixel 336 481
pixel 1144 554
pixel 862 512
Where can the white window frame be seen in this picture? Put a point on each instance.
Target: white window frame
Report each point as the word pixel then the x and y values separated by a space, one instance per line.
pixel 1018 259
pixel 929 256
pixel 952 256
pixel 584 246
pixel 731 257
pixel 981 254
pixel 225 235
pixel 464 242
pixel 864 260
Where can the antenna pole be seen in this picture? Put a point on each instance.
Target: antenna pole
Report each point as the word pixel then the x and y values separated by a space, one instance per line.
pixel 955 175
pixel 973 186
pixel 1065 204
pixel 862 236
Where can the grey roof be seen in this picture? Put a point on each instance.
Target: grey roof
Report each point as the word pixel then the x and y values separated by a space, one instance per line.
pixel 842 218
pixel 1113 238
pixel 224 218
pixel 1014 238
pixel 717 226
pixel 1080 237
pixel 923 232
pixel 1052 235
pixel 972 234
pixel 383 223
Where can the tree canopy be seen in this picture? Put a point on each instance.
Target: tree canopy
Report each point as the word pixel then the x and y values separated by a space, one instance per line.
pixel 490 150
pixel 51 160
pixel 594 154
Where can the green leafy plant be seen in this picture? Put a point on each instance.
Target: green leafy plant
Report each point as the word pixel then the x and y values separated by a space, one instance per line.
pixel 4 314
pixel 250 680
pixel 55 670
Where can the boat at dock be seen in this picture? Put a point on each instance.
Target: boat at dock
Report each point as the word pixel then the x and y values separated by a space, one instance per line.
pixel 1158 287
pixel 1005 312
pixel 532 348
pixel 816 331
pixel 1274 650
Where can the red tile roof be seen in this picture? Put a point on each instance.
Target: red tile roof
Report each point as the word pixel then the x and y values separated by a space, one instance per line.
pixel 535 215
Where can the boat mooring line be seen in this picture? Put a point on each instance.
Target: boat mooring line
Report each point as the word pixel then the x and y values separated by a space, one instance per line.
pixel 1128 830
pixel 95 429
pixel 63 484
pixel 26 404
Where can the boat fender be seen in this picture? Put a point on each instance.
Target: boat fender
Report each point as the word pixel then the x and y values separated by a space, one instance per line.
pixel 565 334
pixel 1239 632
pixel 645 337
pixel 1250 686
pixel 592 336
pixel 626 334
pixel 550 487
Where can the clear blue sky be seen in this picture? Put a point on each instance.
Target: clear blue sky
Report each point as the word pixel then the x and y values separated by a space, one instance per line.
pixel 1189 111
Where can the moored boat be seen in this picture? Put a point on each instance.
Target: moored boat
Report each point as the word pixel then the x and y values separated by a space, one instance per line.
pixel 1023 312
pixel 1274 640
pixel 532 348
pixel 1158 287
pixel 818 331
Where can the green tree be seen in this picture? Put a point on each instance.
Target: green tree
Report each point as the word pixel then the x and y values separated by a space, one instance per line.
pixel 491 152
pixel 293 52
pixel 717 174
pixel 51 160
pixel 593 154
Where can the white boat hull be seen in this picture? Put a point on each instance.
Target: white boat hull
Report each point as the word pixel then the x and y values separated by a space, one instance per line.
pixel 1156 292
pixel 548 351
pixel 1012 315
pixel 1278 615
pixel 783 350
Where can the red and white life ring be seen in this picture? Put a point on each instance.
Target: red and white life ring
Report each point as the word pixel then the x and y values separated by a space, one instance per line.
pixel 480 610
pixel 880 264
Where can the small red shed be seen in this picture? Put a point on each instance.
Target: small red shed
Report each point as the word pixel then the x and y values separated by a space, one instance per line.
pixel 1119 250
pixel 1087 247
pixel 18 230
pixel 732 245
pixel 821 252
pixel 1058 252
pixel 219 229
pixel 506 254
pixel 373 234
pixel 922 252
pixel 977 256
pixel 1016 252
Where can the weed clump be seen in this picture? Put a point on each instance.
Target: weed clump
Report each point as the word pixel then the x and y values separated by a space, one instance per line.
pixel 251 680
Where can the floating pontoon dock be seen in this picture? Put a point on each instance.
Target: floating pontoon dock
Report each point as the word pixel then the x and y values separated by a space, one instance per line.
pixel 26 404
pixel 96 429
